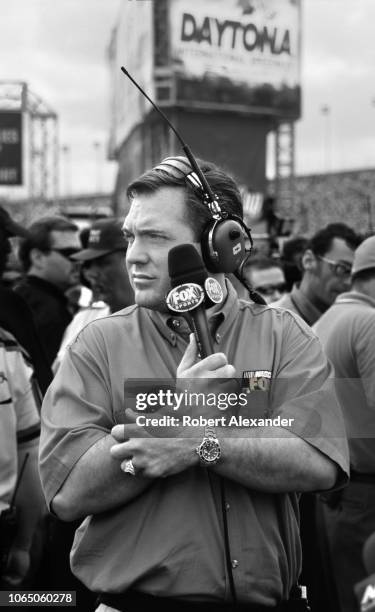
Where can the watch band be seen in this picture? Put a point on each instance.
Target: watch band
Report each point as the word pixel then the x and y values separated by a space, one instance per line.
pixel 209 432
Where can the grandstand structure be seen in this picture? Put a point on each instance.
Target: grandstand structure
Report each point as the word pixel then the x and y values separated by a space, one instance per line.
pixel 334 196
pixel 319 199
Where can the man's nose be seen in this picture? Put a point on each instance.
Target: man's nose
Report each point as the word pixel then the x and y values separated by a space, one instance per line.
pixel 136 253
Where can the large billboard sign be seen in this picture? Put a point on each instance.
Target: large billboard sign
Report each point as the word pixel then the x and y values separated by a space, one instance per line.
pixel 237 53
pixel 131 46
pixel 10 148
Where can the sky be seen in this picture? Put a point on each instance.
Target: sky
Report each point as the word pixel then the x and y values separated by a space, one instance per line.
pixel 59 48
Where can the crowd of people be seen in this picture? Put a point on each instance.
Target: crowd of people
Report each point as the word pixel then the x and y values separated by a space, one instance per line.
pixel 137 516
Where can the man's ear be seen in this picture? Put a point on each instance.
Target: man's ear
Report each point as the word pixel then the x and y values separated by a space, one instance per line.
pixel 37 259
pixel 309 261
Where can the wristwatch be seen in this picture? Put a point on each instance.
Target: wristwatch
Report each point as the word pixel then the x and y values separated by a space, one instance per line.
pixel 209 450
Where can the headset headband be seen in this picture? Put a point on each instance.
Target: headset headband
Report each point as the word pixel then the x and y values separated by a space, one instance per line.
pixel 180 167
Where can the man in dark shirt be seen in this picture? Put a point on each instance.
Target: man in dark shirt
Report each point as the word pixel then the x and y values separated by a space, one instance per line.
pixel 46 258
pixel 15 315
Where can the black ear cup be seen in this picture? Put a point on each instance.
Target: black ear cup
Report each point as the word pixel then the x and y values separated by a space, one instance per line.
pixel 223 245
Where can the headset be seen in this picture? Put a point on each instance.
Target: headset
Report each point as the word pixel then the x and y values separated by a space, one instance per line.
pixel 223 241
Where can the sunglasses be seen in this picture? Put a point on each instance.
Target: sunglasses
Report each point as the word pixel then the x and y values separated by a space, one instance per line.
pixel 67 252
pixel 270 289
pixel 341 269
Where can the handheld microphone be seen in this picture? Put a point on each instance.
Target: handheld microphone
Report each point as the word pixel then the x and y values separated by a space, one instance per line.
pixel 365 590
pixel 191 288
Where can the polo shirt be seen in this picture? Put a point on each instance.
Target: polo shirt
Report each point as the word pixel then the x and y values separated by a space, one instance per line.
pixel 80 320
pixel 168 541
pixel 297 302
pixel 347 332
pixel 19 417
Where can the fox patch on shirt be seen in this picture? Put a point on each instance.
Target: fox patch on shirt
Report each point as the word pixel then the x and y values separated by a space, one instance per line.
pixel 256 380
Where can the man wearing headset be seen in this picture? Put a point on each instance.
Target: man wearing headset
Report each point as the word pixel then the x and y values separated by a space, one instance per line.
pixel 180 517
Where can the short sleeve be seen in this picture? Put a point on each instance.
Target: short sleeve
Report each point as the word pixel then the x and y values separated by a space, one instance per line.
pixel 76 411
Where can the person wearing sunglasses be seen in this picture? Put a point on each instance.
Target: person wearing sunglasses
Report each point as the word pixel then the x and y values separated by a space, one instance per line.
pixel 326 268
pixel 266 277
pixel 46 257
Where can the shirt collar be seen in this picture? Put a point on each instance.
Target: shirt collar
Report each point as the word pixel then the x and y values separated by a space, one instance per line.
pixel 219 319
pixel 355 297
pixel 308 311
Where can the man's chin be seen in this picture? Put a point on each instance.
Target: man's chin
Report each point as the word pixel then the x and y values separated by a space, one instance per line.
pixel 147 300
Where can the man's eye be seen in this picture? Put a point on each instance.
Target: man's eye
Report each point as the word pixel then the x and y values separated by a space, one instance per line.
pixel 158 237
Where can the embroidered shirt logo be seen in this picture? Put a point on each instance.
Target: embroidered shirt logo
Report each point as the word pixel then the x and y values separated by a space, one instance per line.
pixel 94 236
pixel 256 380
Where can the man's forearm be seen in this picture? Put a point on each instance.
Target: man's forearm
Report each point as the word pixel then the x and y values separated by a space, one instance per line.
pixel 278 462
pixel 96 484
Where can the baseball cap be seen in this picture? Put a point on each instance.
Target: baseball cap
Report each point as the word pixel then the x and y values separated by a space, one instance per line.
pixel 364 256
pixel 105 237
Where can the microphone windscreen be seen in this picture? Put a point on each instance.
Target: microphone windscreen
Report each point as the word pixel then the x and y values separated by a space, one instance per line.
pixel 185 265
pixel 369 554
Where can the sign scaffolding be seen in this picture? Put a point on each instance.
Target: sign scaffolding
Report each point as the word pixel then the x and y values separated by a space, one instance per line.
pixel 28 142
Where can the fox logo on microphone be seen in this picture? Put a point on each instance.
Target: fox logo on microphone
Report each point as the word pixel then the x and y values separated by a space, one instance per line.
pixel 185 297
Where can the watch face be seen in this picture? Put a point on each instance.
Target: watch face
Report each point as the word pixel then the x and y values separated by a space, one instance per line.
pixel 210 450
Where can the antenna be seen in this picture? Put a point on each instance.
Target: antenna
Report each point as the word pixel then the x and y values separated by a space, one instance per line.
pixel 210 198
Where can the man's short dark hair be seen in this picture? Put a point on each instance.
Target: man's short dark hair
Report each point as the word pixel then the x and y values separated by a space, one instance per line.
pixel 40 236
pixel 197 214
pixel 321 242
pixel 293 248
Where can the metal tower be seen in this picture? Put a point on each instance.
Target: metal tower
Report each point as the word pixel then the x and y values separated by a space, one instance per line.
pixel 285 167
pixel 41 150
